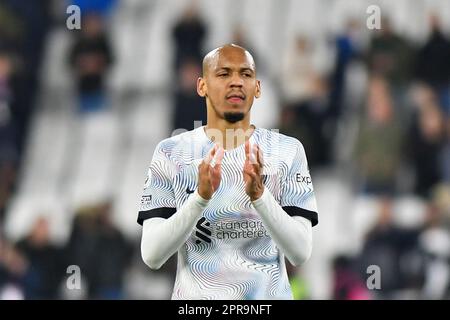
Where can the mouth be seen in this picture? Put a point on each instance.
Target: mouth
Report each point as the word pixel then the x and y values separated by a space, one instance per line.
pixel 235 98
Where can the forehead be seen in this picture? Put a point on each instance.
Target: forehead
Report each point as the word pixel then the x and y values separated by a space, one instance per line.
pixel 232 58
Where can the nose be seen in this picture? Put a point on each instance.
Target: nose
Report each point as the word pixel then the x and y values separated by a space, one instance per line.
pixel 236 80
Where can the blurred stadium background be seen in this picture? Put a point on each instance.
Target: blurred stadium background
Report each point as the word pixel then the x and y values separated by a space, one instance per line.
pixel 82 110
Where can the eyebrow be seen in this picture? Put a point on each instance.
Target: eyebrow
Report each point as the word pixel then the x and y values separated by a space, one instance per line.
pixel 243 69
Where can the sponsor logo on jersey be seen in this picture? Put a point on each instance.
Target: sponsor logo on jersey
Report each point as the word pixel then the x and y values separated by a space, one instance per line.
pixel 145 200
pixel 203 232
pixel 302 178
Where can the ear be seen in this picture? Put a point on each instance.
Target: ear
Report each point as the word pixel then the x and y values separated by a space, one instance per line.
pixel 201 87
pixel 258 89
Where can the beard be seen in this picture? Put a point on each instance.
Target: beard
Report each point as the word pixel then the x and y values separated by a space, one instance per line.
pixel 233 117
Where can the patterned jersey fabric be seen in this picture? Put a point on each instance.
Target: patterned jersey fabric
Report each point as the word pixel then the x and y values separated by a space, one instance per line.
pixel 229 254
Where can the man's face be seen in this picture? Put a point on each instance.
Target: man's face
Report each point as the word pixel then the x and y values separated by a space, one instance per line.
pixel 229 84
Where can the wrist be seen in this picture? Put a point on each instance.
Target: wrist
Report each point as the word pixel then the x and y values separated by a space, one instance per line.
pixel 203 195
pixel 200 199
pixel 257 196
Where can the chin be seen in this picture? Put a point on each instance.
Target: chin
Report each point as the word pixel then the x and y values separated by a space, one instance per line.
pixel 234 116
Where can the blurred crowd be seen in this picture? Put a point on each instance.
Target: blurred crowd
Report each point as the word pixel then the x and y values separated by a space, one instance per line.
pixel 23 26
pixel 379 111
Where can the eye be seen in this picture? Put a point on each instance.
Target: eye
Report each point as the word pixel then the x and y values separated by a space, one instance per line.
pixel 247 75
pixel 222 74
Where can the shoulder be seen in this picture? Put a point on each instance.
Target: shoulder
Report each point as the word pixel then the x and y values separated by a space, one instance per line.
pixel 177 145
pixel 288 152
pixel 279 142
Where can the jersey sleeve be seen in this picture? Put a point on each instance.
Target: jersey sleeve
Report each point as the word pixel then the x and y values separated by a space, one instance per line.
pixel 158 198
pixel 297 191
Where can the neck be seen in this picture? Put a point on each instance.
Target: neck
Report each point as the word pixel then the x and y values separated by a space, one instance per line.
pixel 228 135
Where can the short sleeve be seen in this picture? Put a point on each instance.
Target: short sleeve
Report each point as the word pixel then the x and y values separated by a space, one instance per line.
pixel 297 191
pixel 158 198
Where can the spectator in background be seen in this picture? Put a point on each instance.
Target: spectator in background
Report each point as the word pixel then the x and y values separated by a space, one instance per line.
pixel 45 270
pixel 434 243
pixel 433 63
pixel 390 248
pixel 112 257
pixel 347 282
pixel 445 154
pixel 349 47
pixel 91 57
pixel 379 142
pixel 11 27
pixel 11 34
pixel 80 249
pixel 8 174
pixel 9 153
pixel 101 251
pixel 188 35
pixel 426 142
pixel 305 106
pixel 391 56
pixel 26 29
pixel 12 269
pixel 189 106
pixel 239 37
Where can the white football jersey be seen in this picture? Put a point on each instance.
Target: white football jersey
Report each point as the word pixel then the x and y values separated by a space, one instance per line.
pixel 230 254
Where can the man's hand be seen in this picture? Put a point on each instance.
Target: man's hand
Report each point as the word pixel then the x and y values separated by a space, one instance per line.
pixel 209 176
pixel 253 165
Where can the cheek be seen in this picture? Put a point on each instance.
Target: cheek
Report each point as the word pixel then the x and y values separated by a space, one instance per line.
pixel 216 96
pixel 253 91
pixel 213 90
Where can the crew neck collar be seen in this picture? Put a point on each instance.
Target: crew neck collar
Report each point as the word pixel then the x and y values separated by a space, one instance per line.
pixel 202 132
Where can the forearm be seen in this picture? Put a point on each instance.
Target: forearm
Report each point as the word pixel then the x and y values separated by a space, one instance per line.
pixel 161 238
pixel 293 235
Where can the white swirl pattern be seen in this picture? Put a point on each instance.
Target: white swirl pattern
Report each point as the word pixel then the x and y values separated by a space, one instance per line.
pixel 234 265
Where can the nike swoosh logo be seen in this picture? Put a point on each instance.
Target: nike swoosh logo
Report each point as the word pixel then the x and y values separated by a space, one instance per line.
pixel 189 191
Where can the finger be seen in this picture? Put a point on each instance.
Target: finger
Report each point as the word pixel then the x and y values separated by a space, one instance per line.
pixel 216 155
pixel 216 164
pixel 260 162
pixel 260 157
pixel 247 150
pixel 246 175
pixel 252 155
pixel 210 155
pixel 219 157
pixel 203 167
pixel 255 165
pixel 248 168
pixel 250 173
